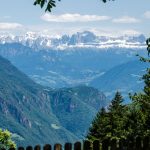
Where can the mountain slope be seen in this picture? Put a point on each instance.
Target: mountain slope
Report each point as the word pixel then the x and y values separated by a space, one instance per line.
pixel 125 78
pixel 80 59
pixel 73 105
pixel 65 68
pixel 28 109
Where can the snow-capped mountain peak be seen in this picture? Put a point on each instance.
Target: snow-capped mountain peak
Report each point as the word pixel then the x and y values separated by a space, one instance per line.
pixel 84 39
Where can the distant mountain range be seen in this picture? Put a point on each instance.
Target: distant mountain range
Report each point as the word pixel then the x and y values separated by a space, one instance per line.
pixel 40 115
pixel 84 39
pixel 126 78
pixel 80 59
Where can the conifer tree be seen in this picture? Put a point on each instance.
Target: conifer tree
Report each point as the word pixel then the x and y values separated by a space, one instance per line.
pixel 98 128
pixel 117 117
pixel 109 124
pixel 116 103
pixel 141 104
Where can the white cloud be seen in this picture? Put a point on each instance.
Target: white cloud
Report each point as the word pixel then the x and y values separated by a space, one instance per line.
pixel 73 18
pixel 5 17
pixel 126 19
pixel 147 14
pixel 131 32
pixel 9 26
pixel 99 31
pixel 110 32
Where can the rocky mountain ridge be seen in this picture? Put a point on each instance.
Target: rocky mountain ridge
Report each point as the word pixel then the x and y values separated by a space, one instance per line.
pixel 31 112
pixel 84 39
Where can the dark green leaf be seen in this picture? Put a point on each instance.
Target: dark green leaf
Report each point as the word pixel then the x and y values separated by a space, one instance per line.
pixel 42 3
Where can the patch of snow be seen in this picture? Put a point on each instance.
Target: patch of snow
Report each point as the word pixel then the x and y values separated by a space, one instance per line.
pixel 17 136
pixel 55 126
pixel 136 75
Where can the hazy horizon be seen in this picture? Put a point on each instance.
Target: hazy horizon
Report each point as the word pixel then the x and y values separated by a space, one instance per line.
pixel 116 17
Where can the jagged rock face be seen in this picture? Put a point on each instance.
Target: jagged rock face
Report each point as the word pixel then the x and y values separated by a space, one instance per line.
pixel 14 112
pixel 73 105
pixel 32 112
pixel 85 37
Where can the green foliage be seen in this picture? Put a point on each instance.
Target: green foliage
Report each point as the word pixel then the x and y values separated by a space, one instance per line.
pixel 52 3
pixel 49 4
pixel 98 128
pixel 117 117
pixel 125 121
pixel 141 108
pixel 107 0
pixel 141 103
pixel 148 45
pixel 5 140
pixel 109 124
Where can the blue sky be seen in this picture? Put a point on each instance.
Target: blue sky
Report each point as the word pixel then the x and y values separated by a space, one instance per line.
pixel 112 18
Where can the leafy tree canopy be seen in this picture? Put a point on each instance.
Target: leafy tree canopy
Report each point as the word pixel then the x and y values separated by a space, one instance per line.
pixel 49 4
pixel 5 140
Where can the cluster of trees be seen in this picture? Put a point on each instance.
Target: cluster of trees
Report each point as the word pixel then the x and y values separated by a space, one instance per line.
pixel 125 121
